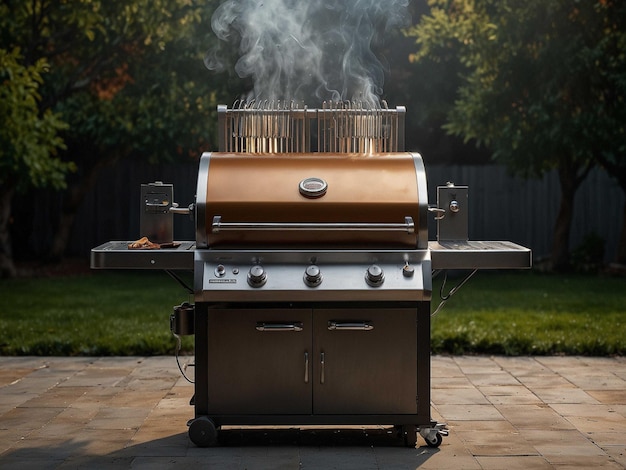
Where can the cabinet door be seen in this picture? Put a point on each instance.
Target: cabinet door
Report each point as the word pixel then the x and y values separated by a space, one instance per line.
pixel 259 361
pixel 365 361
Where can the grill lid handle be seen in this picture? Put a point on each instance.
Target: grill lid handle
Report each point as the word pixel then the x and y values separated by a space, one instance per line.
pixel 218 226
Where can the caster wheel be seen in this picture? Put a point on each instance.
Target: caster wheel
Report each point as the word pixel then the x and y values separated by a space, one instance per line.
pixel 202 432
pixel 435 441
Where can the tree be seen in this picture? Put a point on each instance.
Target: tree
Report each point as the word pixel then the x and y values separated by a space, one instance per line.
pixel 127 77
pixel 535 86
pixel 29 141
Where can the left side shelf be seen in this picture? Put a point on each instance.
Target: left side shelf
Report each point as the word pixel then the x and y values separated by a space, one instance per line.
pixel 116 255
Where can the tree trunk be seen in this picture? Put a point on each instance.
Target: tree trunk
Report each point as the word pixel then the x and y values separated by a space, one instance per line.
pixel 570 180
pixel 563 224
pixel 7 267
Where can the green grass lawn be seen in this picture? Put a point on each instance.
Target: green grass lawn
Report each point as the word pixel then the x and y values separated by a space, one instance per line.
pixel 530 313
pixel 101 313
pixel 127 313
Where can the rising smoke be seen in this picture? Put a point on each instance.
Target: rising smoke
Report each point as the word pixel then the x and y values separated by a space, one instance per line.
pixel 307 50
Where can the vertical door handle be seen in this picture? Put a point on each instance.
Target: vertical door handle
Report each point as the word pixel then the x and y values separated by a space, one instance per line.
pixel 322 368
pixel 306 367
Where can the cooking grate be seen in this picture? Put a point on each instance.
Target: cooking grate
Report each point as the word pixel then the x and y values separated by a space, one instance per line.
pixel 267 127
pixel 264 127
pixel 352 127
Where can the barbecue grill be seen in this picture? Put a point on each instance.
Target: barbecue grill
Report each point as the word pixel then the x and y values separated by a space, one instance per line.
pixel 312 270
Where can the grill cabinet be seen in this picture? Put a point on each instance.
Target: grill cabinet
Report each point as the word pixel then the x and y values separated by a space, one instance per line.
pixel 313 272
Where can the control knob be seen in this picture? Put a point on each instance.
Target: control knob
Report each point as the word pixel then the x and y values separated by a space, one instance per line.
pixel 374 276
pixel 220 270
pixel 312 276
pixel 408 270
pixel 257 276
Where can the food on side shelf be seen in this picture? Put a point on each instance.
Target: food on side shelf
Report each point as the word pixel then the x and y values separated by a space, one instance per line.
pixel 143 244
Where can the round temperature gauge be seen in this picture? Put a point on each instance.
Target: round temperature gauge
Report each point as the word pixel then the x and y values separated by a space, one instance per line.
pixel 313 187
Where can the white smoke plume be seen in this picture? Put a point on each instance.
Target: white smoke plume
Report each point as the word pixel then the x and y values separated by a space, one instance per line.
pixel 307 50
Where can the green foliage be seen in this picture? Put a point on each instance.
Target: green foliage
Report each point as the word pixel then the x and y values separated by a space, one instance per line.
pixel 543 81
pixel 127 77
pixel 29 140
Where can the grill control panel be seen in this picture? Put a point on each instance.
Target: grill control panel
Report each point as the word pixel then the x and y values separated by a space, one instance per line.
pixel 306 276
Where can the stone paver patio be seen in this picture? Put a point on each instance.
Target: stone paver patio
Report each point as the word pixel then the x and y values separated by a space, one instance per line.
pixel 131 412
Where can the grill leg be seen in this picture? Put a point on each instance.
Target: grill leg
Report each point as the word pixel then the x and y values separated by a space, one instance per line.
pixel 409 434
pixel 423 362
pixel 201 329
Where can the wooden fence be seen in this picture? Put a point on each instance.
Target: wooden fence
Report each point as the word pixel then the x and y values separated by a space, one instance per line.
pixel 501 207
pixel 524 211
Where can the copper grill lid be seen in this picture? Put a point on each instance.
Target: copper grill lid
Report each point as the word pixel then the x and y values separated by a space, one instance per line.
pixel 289 200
